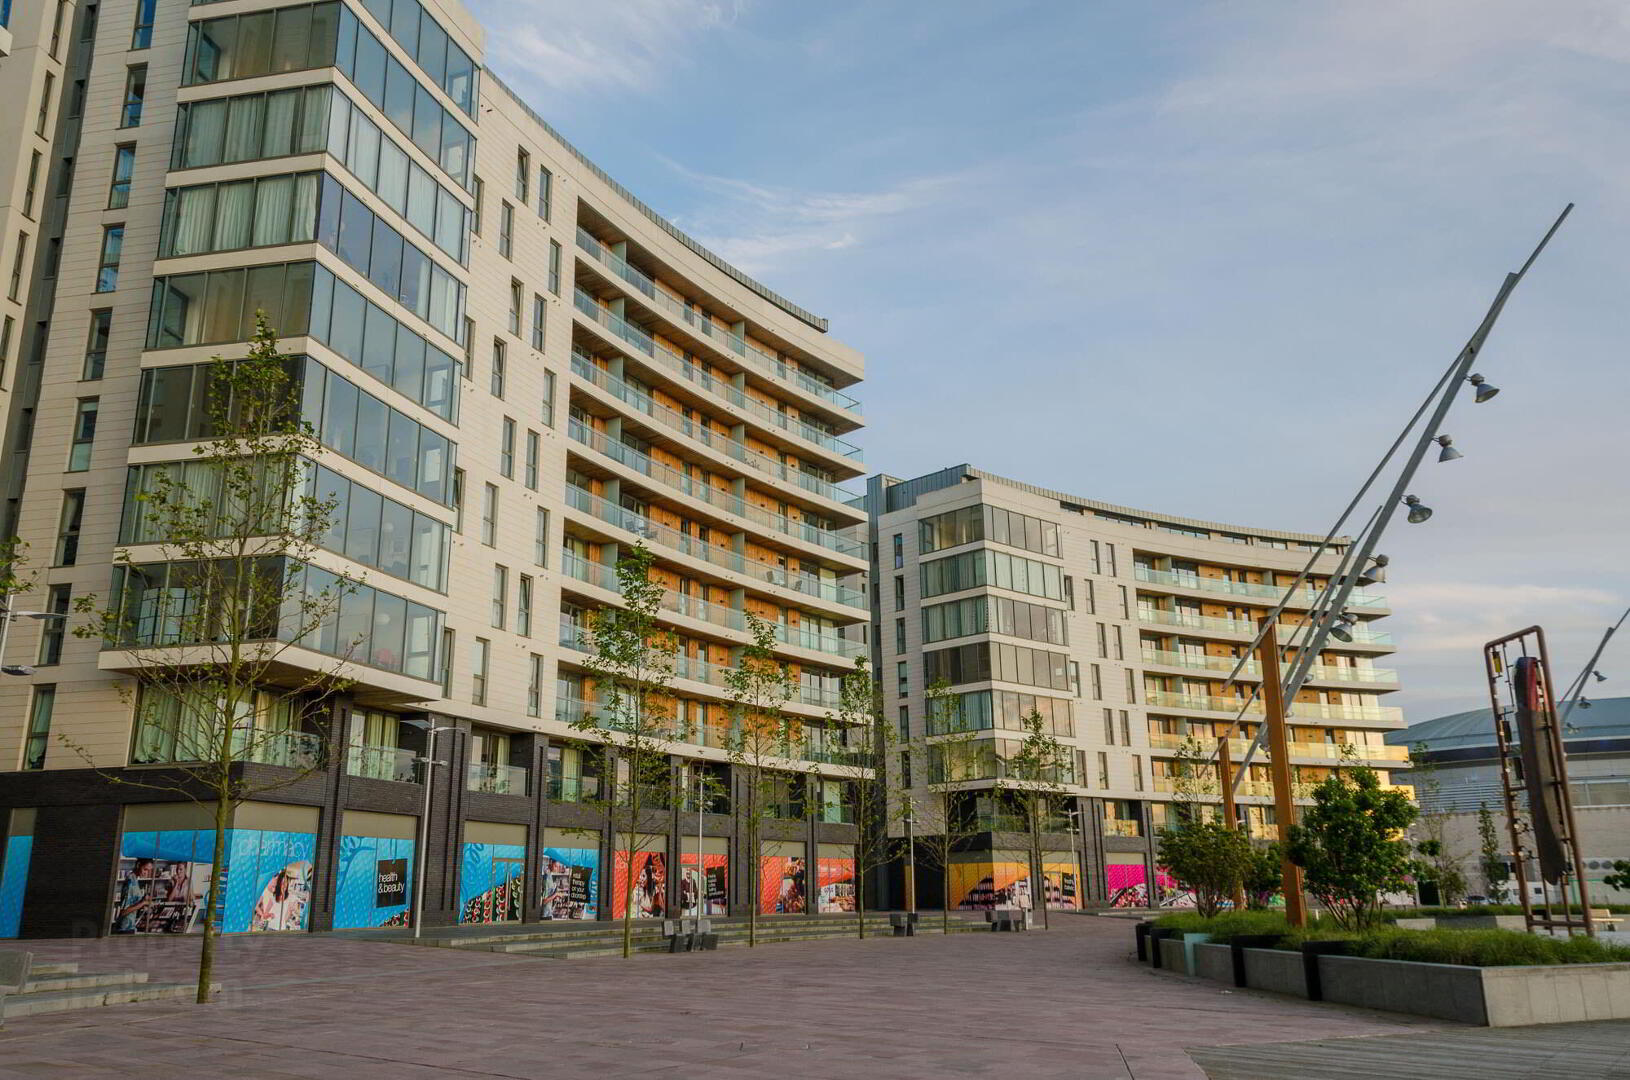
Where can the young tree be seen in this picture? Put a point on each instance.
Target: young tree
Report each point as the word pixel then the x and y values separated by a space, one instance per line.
pixel 1350 845
pixel 1620 877
pixel 1209 858
pixel 761 746
pixel 945 755
pixel 1035 775
pixel 633 661
pixel 1440 866
pixel 1491 861
pixel 862 765
pixel 221 635
pixel 1264 876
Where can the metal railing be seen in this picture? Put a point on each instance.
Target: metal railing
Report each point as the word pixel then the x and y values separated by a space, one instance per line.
pixel 495 779
pixel 573 788
pixel 1161 740
pixel 382 763
pixel 1172 700
pixel 766 362
pixel 1225 664
pixel 1122 827
pixel 1289 632
pixel 1305 597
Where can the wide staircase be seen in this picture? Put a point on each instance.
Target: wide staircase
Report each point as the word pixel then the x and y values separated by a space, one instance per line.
pixel 33 988
pixel 568 941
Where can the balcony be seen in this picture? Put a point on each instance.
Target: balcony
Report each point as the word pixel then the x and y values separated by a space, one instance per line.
pixel 1122 827
pixel 1305 597
pixel 698 670
pixel 1289 632
pixel 1300 709
pixel 284 749
pixel 495 779
pixel 764 362
pixel 835 814
pixel 1253 669
pixel 1161 740
pixel 723 557
pixel 574 789
pixel 382 763
pixel 727 502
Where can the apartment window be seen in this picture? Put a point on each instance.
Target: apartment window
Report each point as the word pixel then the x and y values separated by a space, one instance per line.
pixel 142 36
pixel 534 687
pixel 135 94
pixel 1126 729
pixel 899 635
pixel 68 526
pixel 478 674
pixel 124 164
pixel 1137 773
pixel 53 256
pixel 76 99
pixel 1075 677
pixel 107 267
pixel 1120 644
pixel 1109 726
pixel 6 331
pixel 1112 571
pixel 546 191
pixel 33 183
pixel 540 538
pixel 537 322
pixel 65 179
pixel 905 768
pixel 506 230
pixel 1126 610
pixel 1069 591
pixel 56 25
pixel 1103 769
pixel 899 593
pixel 523 607
pixel 554 267
pixel 44 117
pixel 523 176
pixel 489 515
pixel 1097 683
pixel 500 596
pixel 506 450
pixel 1103 642
pixel 549 398
pixel 14 290
pixel 458 500
pixel 479 190
pixel 1092 597
pixel 448 641
pixel 39 726
pixel 54 631
pixel 500 365
pixel 905 722
pixel 469 348
pixel 84 433
pixel 1097 559
pixel 899 550
pixel 902 681
pixel 534 447
pixel 1131 687
pixel 87 29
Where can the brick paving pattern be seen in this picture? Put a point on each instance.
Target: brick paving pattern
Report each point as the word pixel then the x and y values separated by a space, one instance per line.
pixel 1056 1004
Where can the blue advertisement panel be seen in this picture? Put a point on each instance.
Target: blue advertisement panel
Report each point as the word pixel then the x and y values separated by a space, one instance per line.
pixel 571 883
pixel 491 884
pixel 13 878
pixel 375 882
pixel 163 882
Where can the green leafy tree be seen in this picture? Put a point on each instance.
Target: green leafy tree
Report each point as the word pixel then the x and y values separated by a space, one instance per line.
pixel 940 760
pixel 1620 877
pixel 232 655
pixel 1034 780
pixel 761 746
pixel 1350 845
pixel 1439 865
pixel 875 805
pixel 1491 861
pixel 1207 857
pixel 1264 876
pixel 633 660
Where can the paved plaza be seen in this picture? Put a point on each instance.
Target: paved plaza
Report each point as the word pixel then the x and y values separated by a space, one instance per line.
pixel 1063 1003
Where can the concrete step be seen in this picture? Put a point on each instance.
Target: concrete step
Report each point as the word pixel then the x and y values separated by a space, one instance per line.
pixel 44 983
pixel 13 1006
pixel 38 968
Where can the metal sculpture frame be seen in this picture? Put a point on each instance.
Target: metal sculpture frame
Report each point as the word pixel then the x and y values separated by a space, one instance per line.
pixel 1498 656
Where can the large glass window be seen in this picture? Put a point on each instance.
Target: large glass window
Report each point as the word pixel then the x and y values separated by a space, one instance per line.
pixel 422 38
pixel 96 344
pixel 124 165
pixel 219 306
pixel 357 328
pixel 973 569
pixel 135 96
pixel 1007 710
pixel 141 36
pixel 107 268
pixel 972 523
pixel 251 127
pixel 232 215
pixel 995 660
pixel 261 43
pixel 84 434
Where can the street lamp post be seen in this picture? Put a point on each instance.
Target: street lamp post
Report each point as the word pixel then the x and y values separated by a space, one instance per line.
pixel 429 762
pixel 911 862
pixel 1074 816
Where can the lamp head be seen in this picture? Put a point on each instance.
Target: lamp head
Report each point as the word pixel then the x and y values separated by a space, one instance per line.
pixel 1448 453
pixel 1484 391
pixel 1375 573
pixel 1418 512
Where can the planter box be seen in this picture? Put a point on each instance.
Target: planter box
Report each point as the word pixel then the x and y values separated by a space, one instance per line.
pixel 1561 994
pixel 1275 970
pixel 1214 962
pixel 1444 991
pixel 1481 922
pixel 1172 955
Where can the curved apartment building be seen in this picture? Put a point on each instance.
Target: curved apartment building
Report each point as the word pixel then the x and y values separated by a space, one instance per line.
pixel 517 371
pixel 1120 628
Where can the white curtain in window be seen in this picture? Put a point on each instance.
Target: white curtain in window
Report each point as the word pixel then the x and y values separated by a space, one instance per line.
pixel 281 107
pixel 313 120
pixel 303 225
pixel 243 128
pixel 393 176
pixel 206 124
pixel 273 201
pixel 234 210
pixel 194 222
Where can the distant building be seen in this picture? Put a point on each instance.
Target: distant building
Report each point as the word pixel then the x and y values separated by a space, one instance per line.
pixel 1464 776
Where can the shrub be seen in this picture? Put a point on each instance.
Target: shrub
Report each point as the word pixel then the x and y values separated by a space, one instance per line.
pixel 1470 948
pixel 1227 926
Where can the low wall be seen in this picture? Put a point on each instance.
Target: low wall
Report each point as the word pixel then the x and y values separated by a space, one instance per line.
pixel 1562 994
pixel 1275 970
pixel 1171 955
pixel 1444 991
pixel 1214 962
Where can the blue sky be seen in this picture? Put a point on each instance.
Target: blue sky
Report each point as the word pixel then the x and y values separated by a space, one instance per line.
pixel 1197 257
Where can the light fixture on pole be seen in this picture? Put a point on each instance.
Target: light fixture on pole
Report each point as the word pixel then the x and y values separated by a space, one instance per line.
pixel 1584 702
pixel 1484 389
pixel 1448 453
pixel 1599 676
pixel 1418 512
pixel 1342 630
pixel 1376 572
pixel 6 617
pixel 429 762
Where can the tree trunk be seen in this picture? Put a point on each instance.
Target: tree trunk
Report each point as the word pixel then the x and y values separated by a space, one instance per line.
pixel 860 896
pixel 628 888
pixel 206 955
pixel 945 894
pixel 1041 876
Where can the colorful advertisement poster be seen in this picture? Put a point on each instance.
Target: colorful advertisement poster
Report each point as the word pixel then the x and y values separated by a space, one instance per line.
pixel 650 896
pixel 715 886
pixel 982 886
pixel 375 882
pixel 837 882
pixel 13 880
pixel 570 883
pixel 781 885
pixel 491 883
pixel 1128 885
pixel 163 881
pixel 1063 886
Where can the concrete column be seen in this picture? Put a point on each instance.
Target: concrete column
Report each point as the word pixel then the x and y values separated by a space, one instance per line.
pixel 336 786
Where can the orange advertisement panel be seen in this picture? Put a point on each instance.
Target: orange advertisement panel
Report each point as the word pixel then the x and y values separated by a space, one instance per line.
pixel 714 885
pixel 837 881
pixel 781 885
pixel 984 885
pixel 1063 884
pixel 650 885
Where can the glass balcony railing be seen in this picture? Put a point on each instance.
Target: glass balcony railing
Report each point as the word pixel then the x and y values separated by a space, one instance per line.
pixel 287 749
pixel 495 779
pixel 1161 740
pixel 726 558
pixel 1305 597
pixel 766 362
pixel 727 501
pixel 1225 664
pixel 574 789
pixel 1289 633
pixel 1122 827
pixel 835 814
pixel 700 433
pixel 1299 709
pixel 382 763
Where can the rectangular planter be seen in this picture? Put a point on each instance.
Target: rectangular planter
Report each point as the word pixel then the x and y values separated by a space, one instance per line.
pixel 1171 955
pixel 1444 991
pixel 1275 970
pixel 1214 962
pixel 1481 922
pixel 1562 994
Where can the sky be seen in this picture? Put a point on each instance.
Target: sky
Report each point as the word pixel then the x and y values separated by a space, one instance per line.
pixel 1199 258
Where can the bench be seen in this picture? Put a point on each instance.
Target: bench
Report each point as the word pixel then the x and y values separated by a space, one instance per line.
pixel 1008 919
pixel 690 935
pixel 1604 919
pixel 904 923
